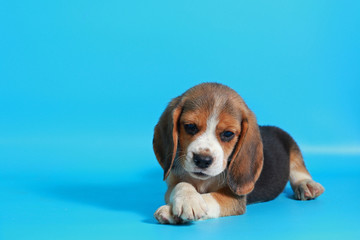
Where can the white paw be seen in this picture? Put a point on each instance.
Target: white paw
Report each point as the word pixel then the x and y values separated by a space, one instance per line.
pixel 189 207
pixel 308 189
pixel 165 216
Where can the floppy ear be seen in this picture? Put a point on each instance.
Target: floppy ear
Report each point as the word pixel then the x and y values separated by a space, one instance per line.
pixel 247 159
pixel 166 135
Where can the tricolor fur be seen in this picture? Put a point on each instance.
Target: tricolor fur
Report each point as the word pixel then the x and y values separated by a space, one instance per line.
pixel 216 159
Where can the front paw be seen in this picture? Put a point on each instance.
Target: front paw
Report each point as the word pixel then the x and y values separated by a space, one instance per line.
pixel 164 215
pixel 190 207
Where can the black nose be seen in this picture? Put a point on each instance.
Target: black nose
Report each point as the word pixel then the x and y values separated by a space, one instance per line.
pixel 202 161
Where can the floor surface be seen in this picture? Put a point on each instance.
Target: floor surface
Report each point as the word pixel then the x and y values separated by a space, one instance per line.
pixel 49 191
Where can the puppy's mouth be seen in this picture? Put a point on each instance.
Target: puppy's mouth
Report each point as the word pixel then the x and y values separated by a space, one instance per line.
pixel 200 175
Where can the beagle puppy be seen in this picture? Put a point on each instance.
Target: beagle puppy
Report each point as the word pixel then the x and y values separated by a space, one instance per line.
pixel 217 159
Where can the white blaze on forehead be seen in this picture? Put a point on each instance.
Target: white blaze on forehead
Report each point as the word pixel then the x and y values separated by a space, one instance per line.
pixel 208 142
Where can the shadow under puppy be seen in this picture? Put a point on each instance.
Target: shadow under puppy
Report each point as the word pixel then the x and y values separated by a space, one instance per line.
pixel 216 159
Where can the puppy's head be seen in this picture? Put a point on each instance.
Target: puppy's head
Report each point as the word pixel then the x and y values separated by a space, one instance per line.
pixel 209 130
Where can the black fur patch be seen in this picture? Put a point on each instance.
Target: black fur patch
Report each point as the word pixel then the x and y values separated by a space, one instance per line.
pixel 275 174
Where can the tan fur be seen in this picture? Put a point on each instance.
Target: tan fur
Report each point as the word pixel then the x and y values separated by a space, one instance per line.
pixel 230 204
pixel 202 186
pixel 228 122
pixel 247 162
pixel 189 197
pixel 198 117
pixel 297 167
pixel 166 135
pixel 301 182
pixel 195 107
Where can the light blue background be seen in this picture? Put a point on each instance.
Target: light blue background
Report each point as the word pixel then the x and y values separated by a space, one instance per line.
pixel 82 84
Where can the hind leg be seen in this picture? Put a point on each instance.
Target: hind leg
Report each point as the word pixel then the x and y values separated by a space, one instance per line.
pixel 304 187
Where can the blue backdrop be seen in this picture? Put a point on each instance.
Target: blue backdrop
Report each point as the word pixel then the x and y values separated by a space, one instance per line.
pixel 82 84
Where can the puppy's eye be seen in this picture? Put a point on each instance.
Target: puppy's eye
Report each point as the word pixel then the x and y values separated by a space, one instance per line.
pixel 226 136
pixel 191 128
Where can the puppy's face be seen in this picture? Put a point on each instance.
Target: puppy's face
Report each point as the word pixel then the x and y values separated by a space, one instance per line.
pixel 204 131
pixel 208 134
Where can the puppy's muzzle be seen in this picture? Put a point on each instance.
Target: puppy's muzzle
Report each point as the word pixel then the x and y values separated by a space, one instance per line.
pixel 202 161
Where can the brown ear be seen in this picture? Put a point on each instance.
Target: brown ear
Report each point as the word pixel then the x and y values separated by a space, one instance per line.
pixel 247 159
pixel 166 135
